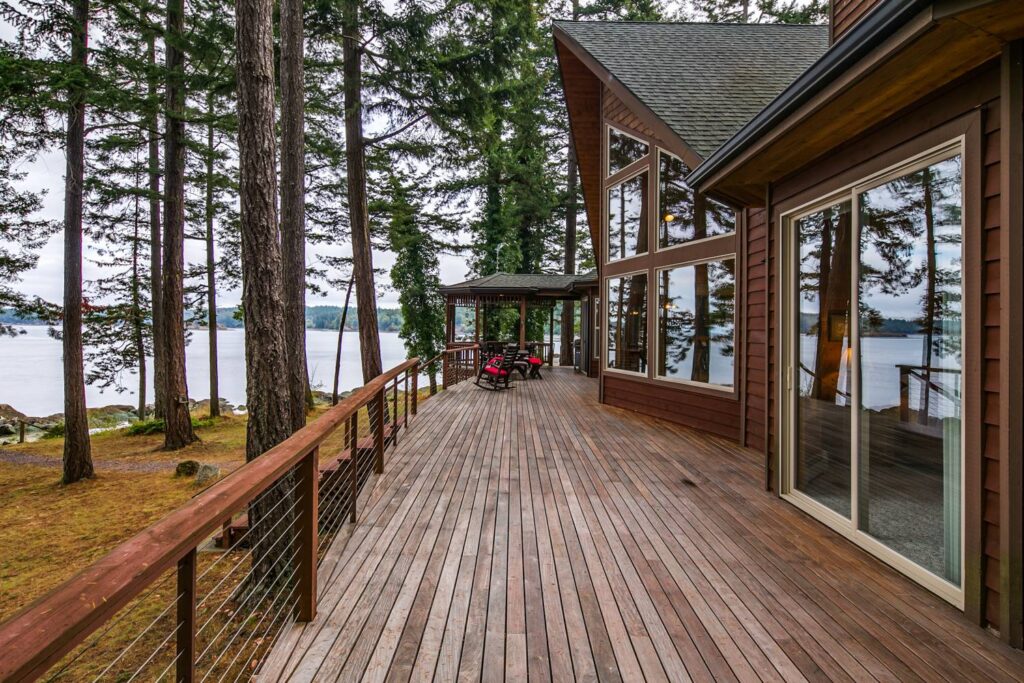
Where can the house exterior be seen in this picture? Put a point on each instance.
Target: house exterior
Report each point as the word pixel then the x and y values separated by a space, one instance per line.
pixel 809 241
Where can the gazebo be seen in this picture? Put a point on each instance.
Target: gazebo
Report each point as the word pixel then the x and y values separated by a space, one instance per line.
pixel 514 290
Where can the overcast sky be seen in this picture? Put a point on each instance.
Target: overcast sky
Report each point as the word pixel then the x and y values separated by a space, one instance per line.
pixel 47 280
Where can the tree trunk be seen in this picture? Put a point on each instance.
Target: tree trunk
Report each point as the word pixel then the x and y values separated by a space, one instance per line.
pixel 341 335
pixel 930 290
pixel 293 206
pixel 565 351
pixel 211 268
pixel 138 320
pixel 77 447
pixel 265 357
pixel 177 420
pixel 155 239
pixel 355 159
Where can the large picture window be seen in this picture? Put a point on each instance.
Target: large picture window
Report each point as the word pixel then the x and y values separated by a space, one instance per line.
pixel 626 303
pixel 627 218
pixel 876 357
pixel 623 150
pixel 696 322
pixel 684 215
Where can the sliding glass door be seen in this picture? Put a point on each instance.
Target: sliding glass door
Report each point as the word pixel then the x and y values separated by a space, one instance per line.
pixel 875 348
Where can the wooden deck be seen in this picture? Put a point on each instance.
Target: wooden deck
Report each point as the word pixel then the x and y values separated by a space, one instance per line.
pixel 534 533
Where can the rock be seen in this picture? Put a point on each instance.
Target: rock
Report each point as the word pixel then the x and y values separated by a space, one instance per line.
pixel 207 474
pixel 204 406
pixel 186 468
pixel 9 413
pixel 7 429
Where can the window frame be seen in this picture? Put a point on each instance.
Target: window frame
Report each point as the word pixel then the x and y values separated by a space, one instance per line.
pixel 606 327
pixel 658 151
pixel 608 175
pixel 788 299
pixel 609 186
pixel 709 386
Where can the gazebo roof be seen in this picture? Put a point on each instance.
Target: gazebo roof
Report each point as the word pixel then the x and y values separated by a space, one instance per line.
pixel 530 284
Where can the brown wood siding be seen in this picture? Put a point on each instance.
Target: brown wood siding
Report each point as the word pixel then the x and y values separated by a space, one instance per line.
pixel 753 354
pixel 846 13
pixel 699 410
pixel 978 92
pixel 990 363
pixel 617 113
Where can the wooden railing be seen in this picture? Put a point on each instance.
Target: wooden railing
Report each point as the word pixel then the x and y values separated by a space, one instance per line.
pixel 459 362
pixel 308 483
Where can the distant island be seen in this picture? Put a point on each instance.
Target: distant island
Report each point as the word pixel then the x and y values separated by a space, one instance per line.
pixel 317 318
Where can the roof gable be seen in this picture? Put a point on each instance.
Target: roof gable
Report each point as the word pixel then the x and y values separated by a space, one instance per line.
pixel 704 81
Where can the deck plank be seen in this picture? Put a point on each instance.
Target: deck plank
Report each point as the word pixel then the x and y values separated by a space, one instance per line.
pixel 535 534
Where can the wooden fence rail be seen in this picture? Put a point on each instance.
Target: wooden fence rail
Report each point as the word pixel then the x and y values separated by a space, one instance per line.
pixel 43 633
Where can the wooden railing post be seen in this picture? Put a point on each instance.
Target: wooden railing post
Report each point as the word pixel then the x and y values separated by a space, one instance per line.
pixel 415 388
pixel 185 662
pixel 405 398
pixel 378 432
pixel 444 371
pixel 307 538
pixel 395 425
pixel 353 464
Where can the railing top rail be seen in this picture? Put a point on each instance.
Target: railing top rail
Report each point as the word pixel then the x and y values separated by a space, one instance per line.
pixel 43 632
pixel 464 346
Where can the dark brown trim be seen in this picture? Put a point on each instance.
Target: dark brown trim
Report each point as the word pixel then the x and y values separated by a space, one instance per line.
pixel 739 348
pixel 769 388
pixel 973 418
pixel 1011 331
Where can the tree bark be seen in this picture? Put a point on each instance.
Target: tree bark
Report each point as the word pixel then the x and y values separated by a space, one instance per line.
pixel 341 335
pixel 155 238
pixel 211 268
pixel 77 447
pixel 138 319
pixel 266 359
pixel 359 219
pixel 178 431
pixel 293 206
pixel 565 351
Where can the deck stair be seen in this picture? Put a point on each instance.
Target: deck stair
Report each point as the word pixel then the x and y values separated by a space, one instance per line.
pixel 333 471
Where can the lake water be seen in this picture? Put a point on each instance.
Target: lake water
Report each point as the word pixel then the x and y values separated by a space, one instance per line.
pixel 31 373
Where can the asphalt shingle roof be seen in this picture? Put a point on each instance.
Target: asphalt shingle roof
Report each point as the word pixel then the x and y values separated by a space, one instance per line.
pixel 705 81
pixel 522 281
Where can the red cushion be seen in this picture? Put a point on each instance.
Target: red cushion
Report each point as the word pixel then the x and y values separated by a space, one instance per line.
pixel 491 370
pixel 536 361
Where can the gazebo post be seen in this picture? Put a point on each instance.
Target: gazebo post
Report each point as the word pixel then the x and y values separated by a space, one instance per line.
pixel 551 337
pixel 522 322
pixel 476 319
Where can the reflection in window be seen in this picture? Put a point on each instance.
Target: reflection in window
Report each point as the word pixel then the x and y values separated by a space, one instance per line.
pixel 623 150
pixel 627 323
pixel 627 218
pixel 910 365
pixel 824 381
pixel 683 215
pixel 695 322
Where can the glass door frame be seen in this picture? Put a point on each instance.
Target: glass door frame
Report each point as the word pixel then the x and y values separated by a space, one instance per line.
pixel 786 394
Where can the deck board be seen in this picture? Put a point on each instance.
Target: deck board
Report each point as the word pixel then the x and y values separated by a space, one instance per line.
pixel 535 534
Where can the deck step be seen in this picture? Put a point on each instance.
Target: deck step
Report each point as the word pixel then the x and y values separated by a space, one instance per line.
pixel 333 471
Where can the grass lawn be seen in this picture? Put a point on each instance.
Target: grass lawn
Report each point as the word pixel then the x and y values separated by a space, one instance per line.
pixel 49 532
